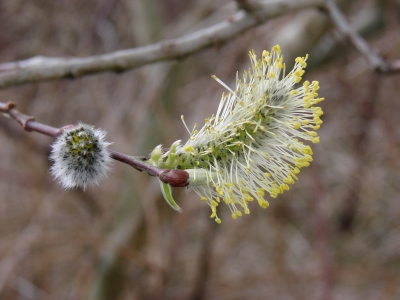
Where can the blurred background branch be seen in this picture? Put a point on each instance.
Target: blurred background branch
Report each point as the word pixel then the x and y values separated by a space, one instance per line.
pixel 42 68
pixel 345 29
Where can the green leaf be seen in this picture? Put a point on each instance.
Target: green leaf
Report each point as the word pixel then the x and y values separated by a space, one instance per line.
pixel 166 191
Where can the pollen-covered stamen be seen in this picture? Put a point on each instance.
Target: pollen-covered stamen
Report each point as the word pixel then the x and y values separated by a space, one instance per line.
pixel 251 146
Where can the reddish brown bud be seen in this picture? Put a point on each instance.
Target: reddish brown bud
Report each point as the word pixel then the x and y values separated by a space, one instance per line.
pixel 175 178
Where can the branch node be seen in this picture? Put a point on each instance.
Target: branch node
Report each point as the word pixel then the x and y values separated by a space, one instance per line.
pixel 22 119
pixel 60 130
pixel 9 105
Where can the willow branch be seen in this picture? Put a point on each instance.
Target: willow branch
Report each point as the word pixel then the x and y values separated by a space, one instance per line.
pixel 175 178
pixel 345 29
pixel 40 68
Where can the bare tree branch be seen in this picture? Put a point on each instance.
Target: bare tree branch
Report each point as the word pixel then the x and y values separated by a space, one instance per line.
pixel 41 68
pixel 345 29
pixel 175 178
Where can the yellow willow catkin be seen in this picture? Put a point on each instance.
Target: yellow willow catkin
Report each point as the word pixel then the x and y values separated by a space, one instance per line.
pixel 252 145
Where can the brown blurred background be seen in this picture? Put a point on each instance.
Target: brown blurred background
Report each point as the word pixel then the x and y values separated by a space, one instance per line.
pixel 334 235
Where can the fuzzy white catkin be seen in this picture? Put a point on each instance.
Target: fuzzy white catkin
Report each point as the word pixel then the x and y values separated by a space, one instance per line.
pixel 80 156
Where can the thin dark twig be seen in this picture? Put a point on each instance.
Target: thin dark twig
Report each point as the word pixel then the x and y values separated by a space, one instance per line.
pixel 175 178
pixel 344 28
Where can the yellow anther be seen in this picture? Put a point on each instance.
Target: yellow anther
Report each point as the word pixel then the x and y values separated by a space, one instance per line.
pixel 317 121
pixel 312 133
pixel 204 198
pixel 234 216
pixel 219 190
pixel 238 213
pixel 265 204
pixel 189 148
pixel 285 187
pixel 301 61
pixel 296 125
pixel 277 48
pixel 248 198
pixel 288 179
pixel 307 150
pixel 315 140
pixel 299 72
pixel 246 211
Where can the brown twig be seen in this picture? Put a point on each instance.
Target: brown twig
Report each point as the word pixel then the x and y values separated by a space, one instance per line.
pixel 175 178
pixel 38 69
pixel 346 30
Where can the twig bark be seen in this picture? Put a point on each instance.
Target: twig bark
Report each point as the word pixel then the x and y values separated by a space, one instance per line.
pixel 345 29
pixel 175 178
pixel 38 69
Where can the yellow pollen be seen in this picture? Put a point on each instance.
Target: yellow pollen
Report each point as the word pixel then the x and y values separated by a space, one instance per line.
pixel 277 48
pixel 189 148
